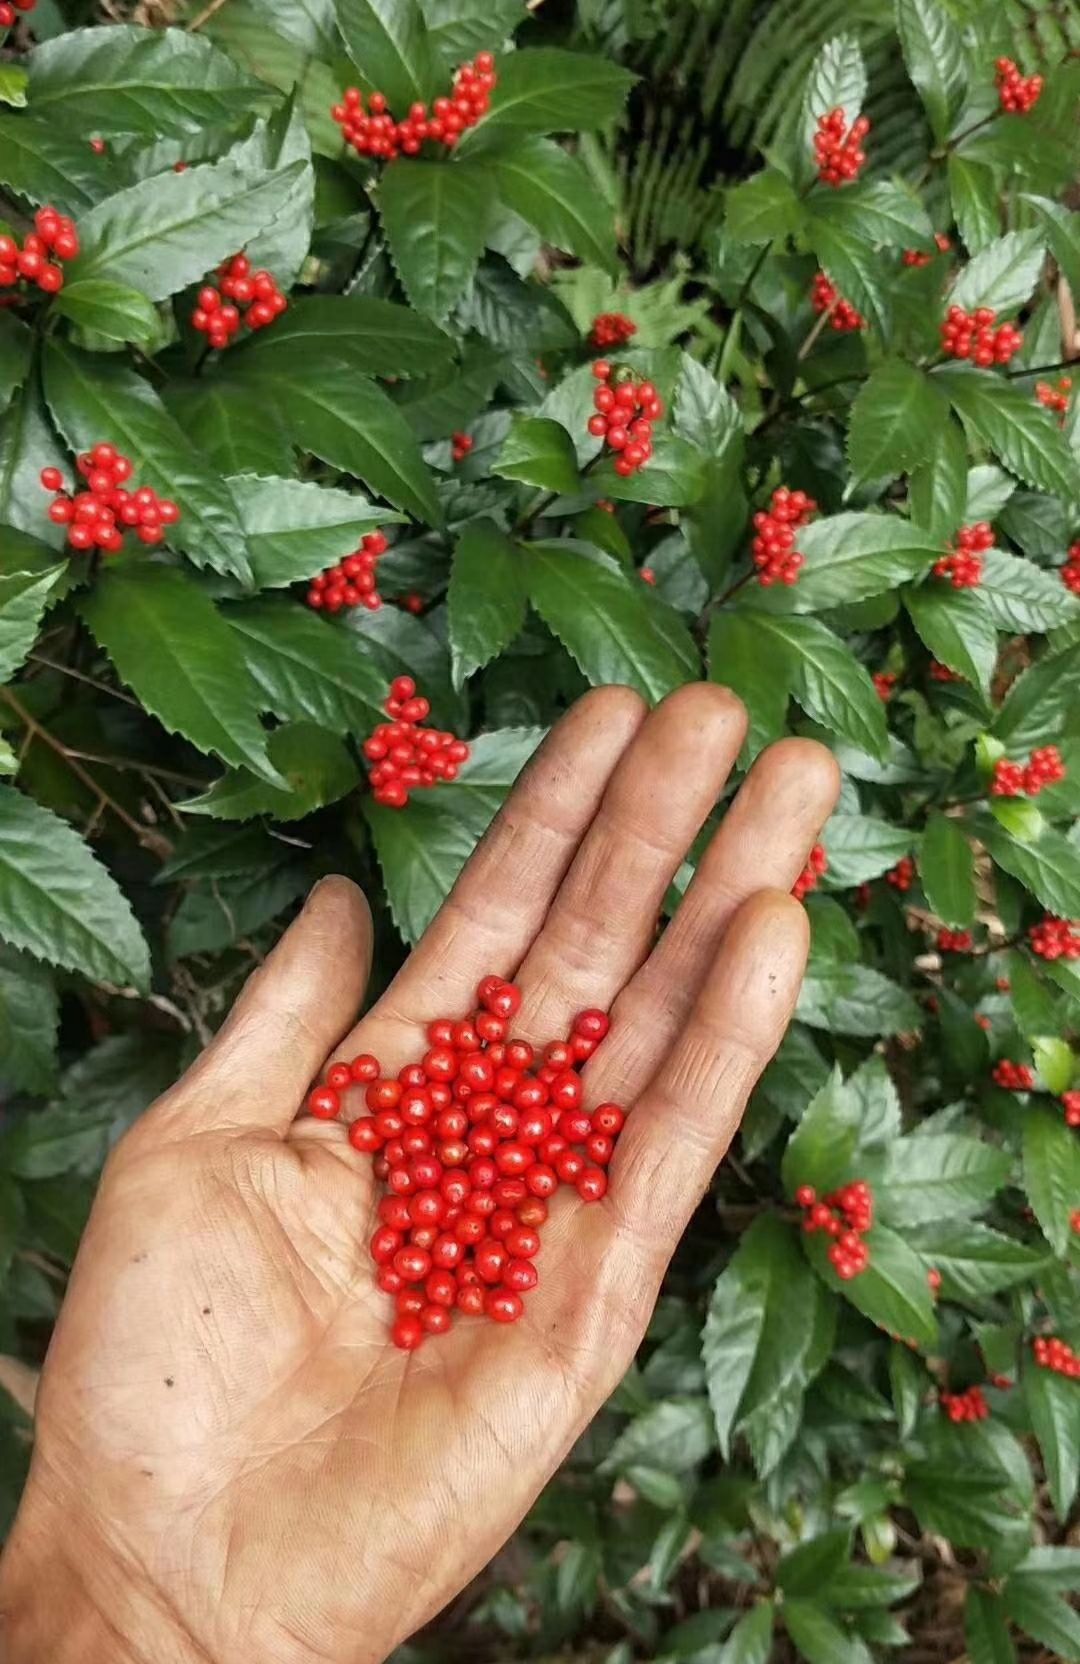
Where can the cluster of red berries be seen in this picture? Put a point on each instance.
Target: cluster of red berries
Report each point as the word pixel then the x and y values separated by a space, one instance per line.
pixel 816 868
pixel 1054 938
pixel 825 297
pixel 461 445
pixel 102 515
pixel 775 555
pixel 352 582
pixel 838 149
pixel 10 9
pixel 972 335
pixel 1055 398
pixel 243 297
pixel 1057 1355
pixel 1071 1104
pixel 472 1142
pixel 1017 93
pixel 1043 768
pixel 374 132
pixel 612 329
pixel 963 565
pixel 406 757
pixel 1014 1077
pixel 53 234
pixel 885 684
pixel 846 1216
pixel 955 941
pixel 1070 572
pixel 916 257
pixel 942 673
pixel 965 1406
pixel 902 876
pixel 626 408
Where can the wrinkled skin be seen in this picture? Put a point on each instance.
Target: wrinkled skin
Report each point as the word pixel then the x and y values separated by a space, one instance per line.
pixel 232 1462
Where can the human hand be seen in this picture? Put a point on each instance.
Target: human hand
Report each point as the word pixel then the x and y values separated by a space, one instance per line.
pixel 232 1462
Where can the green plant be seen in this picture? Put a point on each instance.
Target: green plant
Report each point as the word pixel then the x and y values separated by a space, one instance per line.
pixel 791 1470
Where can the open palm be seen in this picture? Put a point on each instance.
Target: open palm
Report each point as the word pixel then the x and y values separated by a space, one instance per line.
pixel 232 1462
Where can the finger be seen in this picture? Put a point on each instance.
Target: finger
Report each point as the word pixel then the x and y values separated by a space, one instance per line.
pixel 603 921
pixel 681 1126
pixel 290 1014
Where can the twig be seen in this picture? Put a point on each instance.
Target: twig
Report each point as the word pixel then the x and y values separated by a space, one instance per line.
pixel 811 340
pixel 81 676
pixel 205 15
pixel 1042 369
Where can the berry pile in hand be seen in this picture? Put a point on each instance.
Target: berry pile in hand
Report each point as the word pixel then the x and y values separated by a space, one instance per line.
pixel 816 867
pixel 963 565
pixel 1043 768
pixel 825 297
pixel 955 941
pixel 838 149
pixel 847 1215
pixel 1014 1077
pixel 406 757
pixel 1017 93
pixel 612 329
pixel 917 257
pixel 1053 938
pixel 973 335
pixel 1070 572
pixel 626 408
pixel 1055 398
pixel 775 555
pixel 1057 1355
pixel 10 9
pixel 352 582
pixel 53 234
pixel 1071 1104
pixel 242 297
pixel 965 1406
pixel 472 1142
pixel 101 516
pixel 374 132
pixel 902 876
pixel 461 445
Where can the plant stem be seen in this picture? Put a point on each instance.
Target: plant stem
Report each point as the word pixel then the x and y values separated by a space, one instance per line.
pixel 1042 369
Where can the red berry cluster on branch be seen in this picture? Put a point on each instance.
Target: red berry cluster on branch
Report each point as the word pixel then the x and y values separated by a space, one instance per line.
pixel 10 9
pixel 838 149
pixel 374 132
pixel 825 297
pixel 1071 1105
pixel 461 445
pixel 816 867
pixel 472 1142
pixel 775 555
pixel 885 682
pixel 1055 398
pixel 955 941
pixel 846 1215
pixel 973 335
pixel 1053 938
pixel 626 408
pixel 917 257
pixel 1056 1355
pixel 243 297
pixel 1014 1077
pixel 101 516
pixel 1017 93
pixel 963 565
pixel 612 329
pixel 1043 768
pixel 1070 572
pixel 353 581
pixel 53 234
pixel 406 757
pixel 965 1406
pixel 902 876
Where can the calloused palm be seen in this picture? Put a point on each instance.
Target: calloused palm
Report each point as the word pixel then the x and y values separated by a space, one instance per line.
pixel 232 1463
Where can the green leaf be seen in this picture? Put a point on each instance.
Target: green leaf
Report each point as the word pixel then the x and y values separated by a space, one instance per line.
pixel 878 1103
pixel 23 599
pixel 28 444
pixel 16 343
pixel 1062 227
pixel 461 28
pixel 275 145
pixel 861 847
pixel 598 612
pixel 1051 1172
pixel 13 83
pixel 674 1437
pixel 295 529
pixel 986 1628
pixel 127 79
pixel 947 871
pixel 751 1641
pixel 511 312
pixel 307 668
pixel 318 769
pixel 213 917
pixel 837 80
pixel 826 679
pixel 938 1176
pixel 237 433
pixel 89 395
pixel 29 1022
pixel 976 205
pixel 1039 700
pixel 809 1565
pixel 375 337
pixel 854 999
pixel 934 54
pixel 454 397
pixel 762 208
pixel 737 662
pixel 1054 1566
pixel 173 649
pixel 538 452
pixel 956 625
pixel 58 903
pixel 1053 1403
pixel 1034 1005
pixel 486 597
pixel 388 42
pixel 851 556
pixel 1021 434
pixel 845 255
pixel 674 476
pixel 875 211
pixel 939 485
pixel 43 164
pixel 820 1638
pixel 908 1382
pixel 989 489
pixel 1049 868
pixel 820 1149
pixel 1055 1063
pixel 542 89
pixel 974 1260
pixel 1022 597
pixel 402 645
pixel 1002 275
pixel 896 421
pixel 1051 1622
pixel 554 193
pixel 219 852
pixel 167 231
pixel 111 309
pixel 435 216
pixel 892 1292
pixel 965 1505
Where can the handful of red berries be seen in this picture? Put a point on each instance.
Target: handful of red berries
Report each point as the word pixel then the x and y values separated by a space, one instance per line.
pixel 816 867
pixel 405 756
pixel 352 582
pixel 626 408
pixel 1043 768
pixel 972 335
pixel 963 565
pixel 472 1142
pixel 374 132
pixel 612 329
pixel 838 149
pixel 100 516
pixel 1017 94
pixel 847 1215
pixel 53 234
pixel 775 555
pixel 824 297
pixel 243 297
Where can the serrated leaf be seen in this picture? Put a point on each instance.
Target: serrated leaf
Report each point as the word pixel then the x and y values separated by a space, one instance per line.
pixel 804 1569
pixel 855 999
pixel 1018 430
pixel 1053 1404
pixel 90 396
pixel 486 597
pixel 892 1292
pixel 862 847
pixel 29 1022
pixel 219 852
pixel 986 1629
pixel 1040 699
pixel 955 624
pixel 934 54
pixel 512 312
pixel 851 556
pixel 111 309
pixel 454 397
pixel 388 42
pixel 237 433
pixel 908 1382
pixel 989 489
pixel 58 903
pixel 43 164
pixel 1054 1062
pixel 402 645
pixel 23 599
pixel 820 1149
pixel 973 192
pixel 938 486
pixel 317 768
pixel 306 668
pixel 1049 868
pixel 461 28
pixel 599 614
pixel 675 1437
pixel 896 421
pixel 538 451
pixel 1051 1622
pixel 751 1641
pixel 734 1323
pixel 974 1260
pixel 295 529
pixel 736 661
pixel 673 477
pixel 820 1638
pixel 554 193
pixel 837 80
pixel 542 89
pixel 1051 1172
pixel 213 917
pixel 938 1176
pixel 848 259
pixel 874 211
pixel 762 208
pixel 1021 596
pixel 1002 275
pixel 281 247
pixel 435 216
pixel 1034 1006
pixel 127 79
pixel 13 84
pixel 826 679
pixel 1063 230
pixel 173 649
pixel 947 871
pixel 16 342
pixel 375 337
